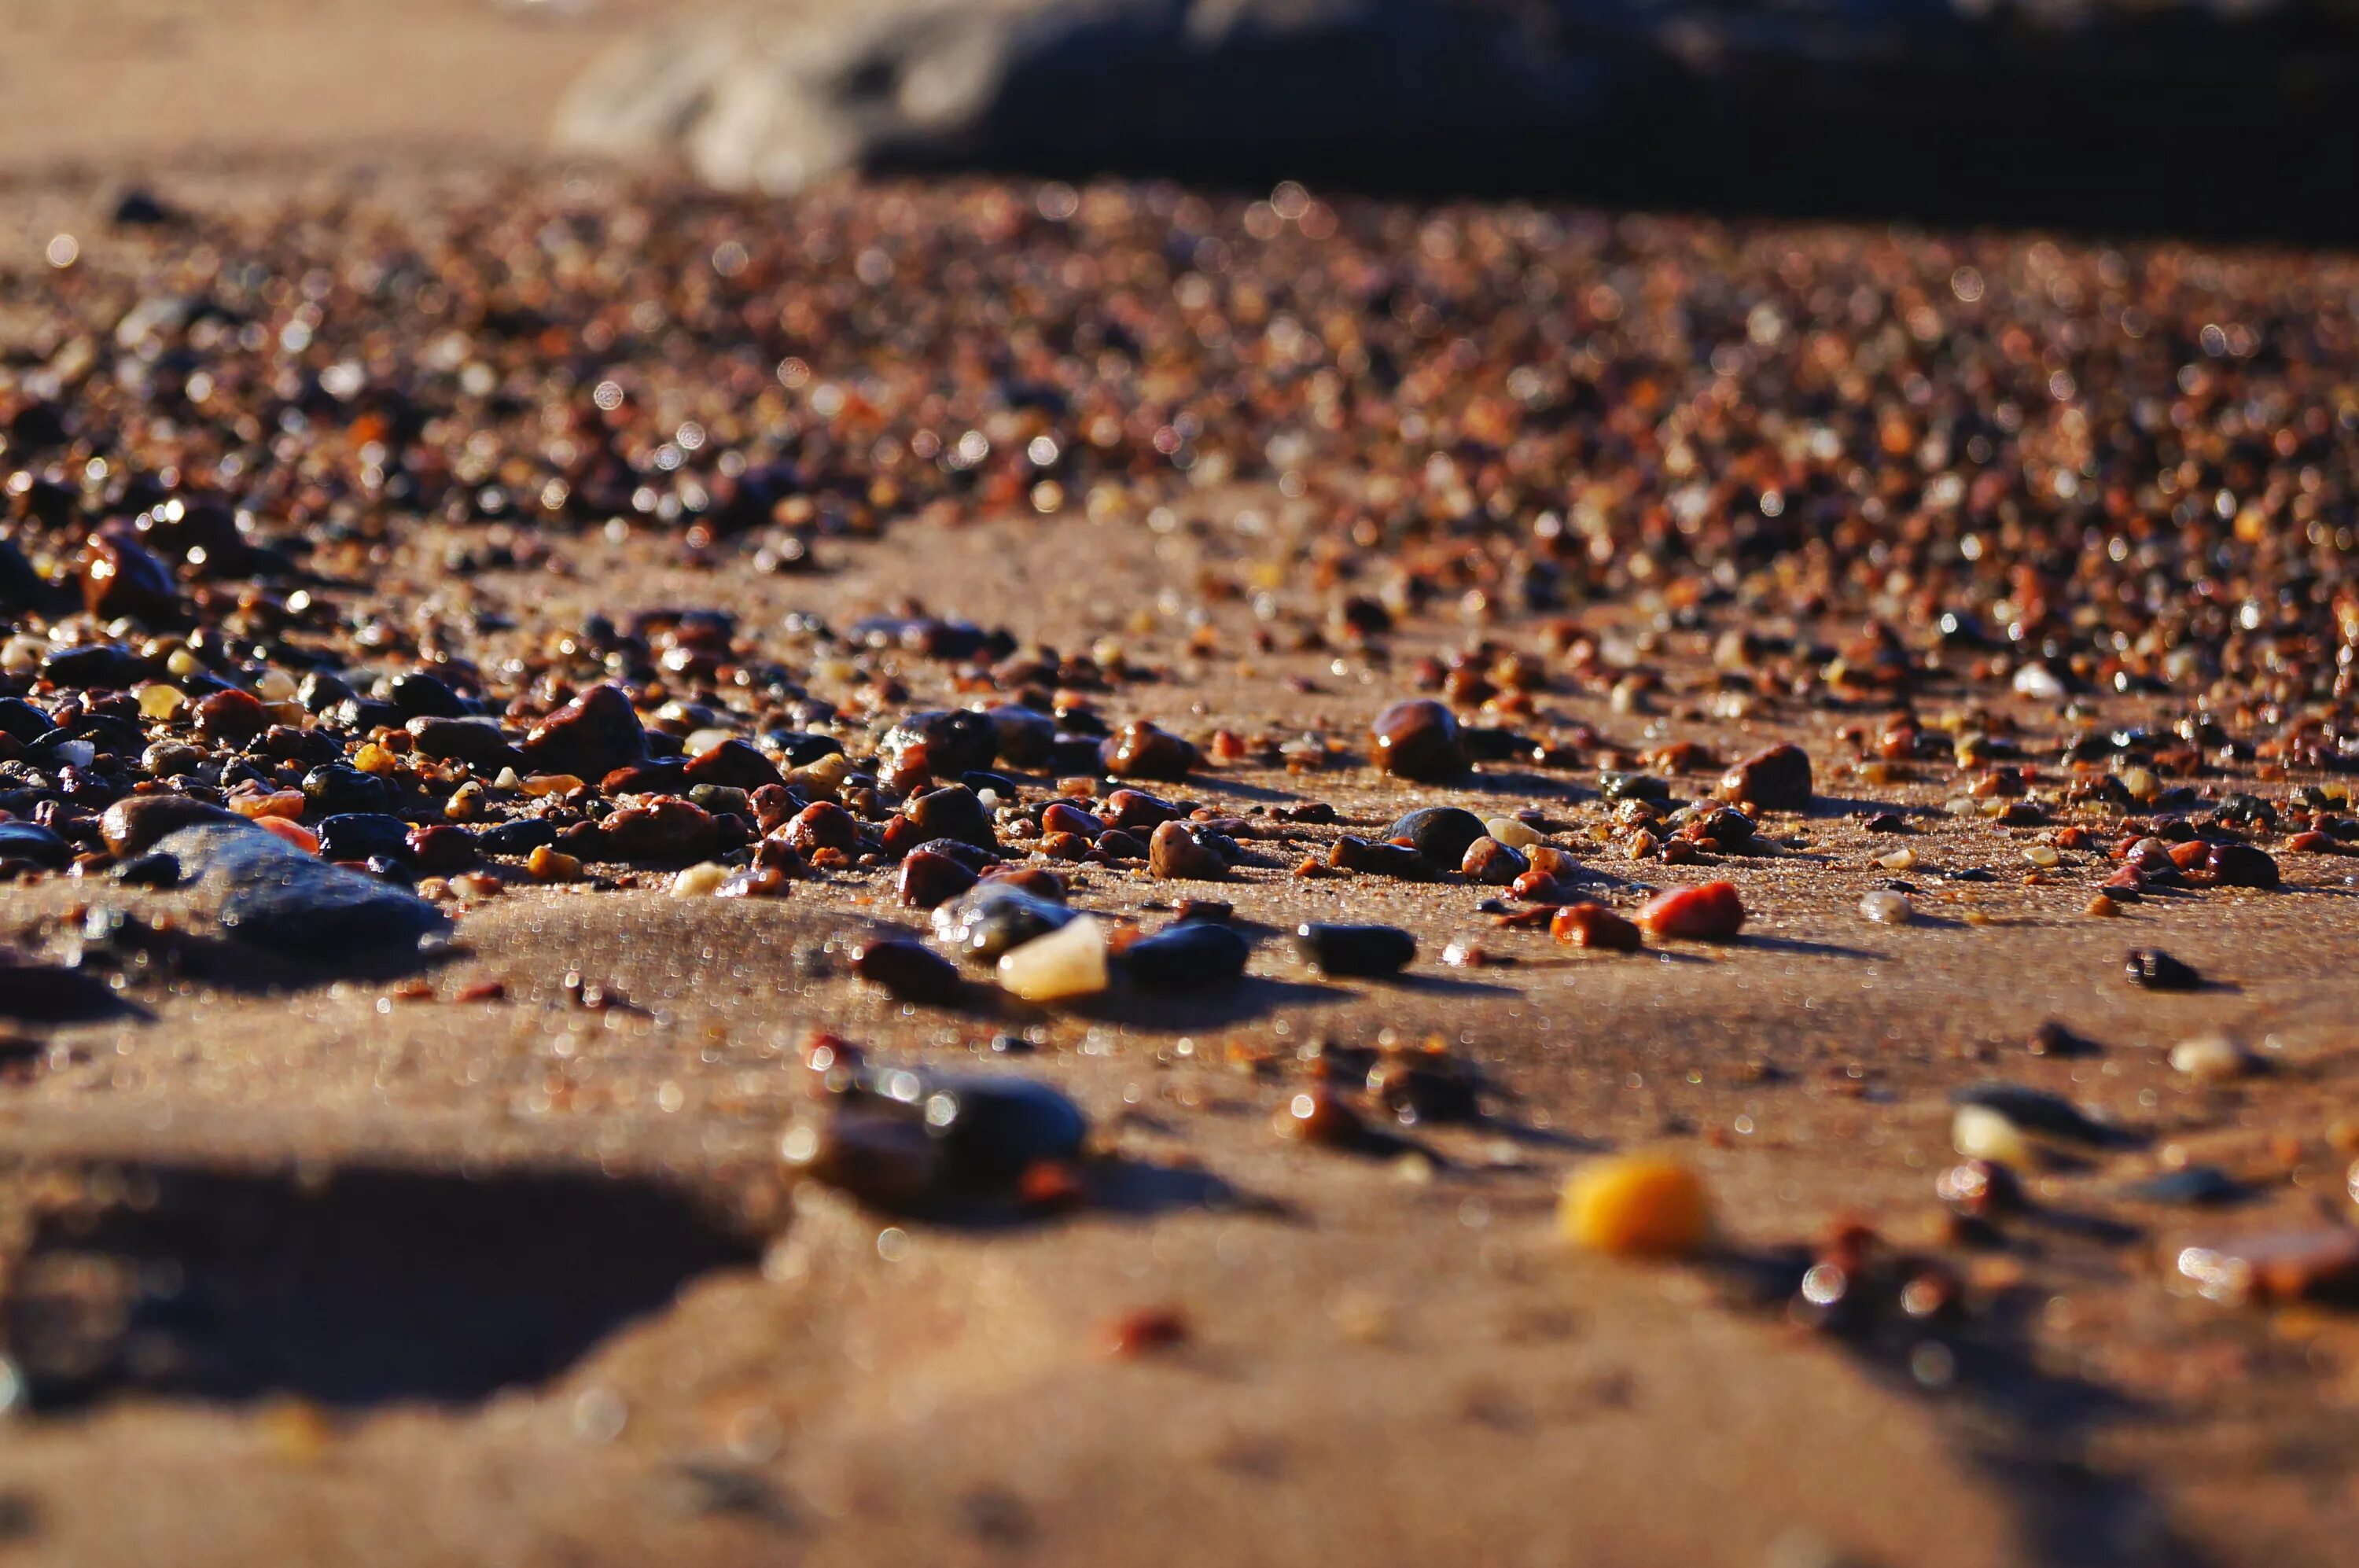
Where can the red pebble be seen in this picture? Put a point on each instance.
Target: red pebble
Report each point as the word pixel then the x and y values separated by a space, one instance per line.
pixel 1709 914
pixel 1149 1328
pixel 1595 925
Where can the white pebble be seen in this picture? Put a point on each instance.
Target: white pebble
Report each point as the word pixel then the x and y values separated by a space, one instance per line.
pixel 702 741
pixel 2037 681
pixel 2212 1057
pixel 1512 834
pixel 1068 962
pixel 1979 1132
pixel 2042 855
pixel 1887 906
pixel 1898 860
pixel 699 881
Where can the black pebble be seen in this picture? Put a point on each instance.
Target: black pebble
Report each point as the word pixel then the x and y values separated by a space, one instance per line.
pixel 1355 950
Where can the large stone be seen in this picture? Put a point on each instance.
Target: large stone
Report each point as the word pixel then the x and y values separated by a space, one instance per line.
pixel 777 96
pixel 264 891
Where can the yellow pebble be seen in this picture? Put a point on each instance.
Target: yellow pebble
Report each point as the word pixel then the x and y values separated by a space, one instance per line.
pixel 547 864
pixel 159 701
pixel 375 758
pixel 1636 1205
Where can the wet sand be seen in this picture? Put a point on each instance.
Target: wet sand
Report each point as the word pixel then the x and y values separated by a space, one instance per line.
pixel 1390 1359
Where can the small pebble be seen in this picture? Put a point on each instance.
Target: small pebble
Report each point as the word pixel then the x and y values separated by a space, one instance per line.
pixel 2158 971
pixel 699 881
pixel 1713 912
pixel 1636 1205
pixel 2211 1059
pixel 1886 908
pixel 1065 963
pixel 1355 950
pixel 1595 926
pixel 907 969
pixel 1419 740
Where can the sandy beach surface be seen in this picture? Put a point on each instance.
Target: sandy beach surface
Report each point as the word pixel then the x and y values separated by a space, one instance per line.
pixel 488 1275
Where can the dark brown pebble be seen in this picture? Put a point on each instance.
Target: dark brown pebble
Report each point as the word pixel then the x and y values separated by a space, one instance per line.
pixel 1350 852
pixel 589 737
pixel 734 763
pixel 137 822
pixel 1980 1189
pixel 823 824
pixel 1425 1086
pixel 909 970
pixel 1057 817
pixel 954 812
pixel 1136 809
pixel 1143 750
pixel 1176 850
pixel 441 849
pixel 123 577
pixel 2242 866
pixel 1215 911
pixel 1419 740
pixel 1355 950
pixel 1777 779
pixel 664 829
pixel 231 718
pixel 928 878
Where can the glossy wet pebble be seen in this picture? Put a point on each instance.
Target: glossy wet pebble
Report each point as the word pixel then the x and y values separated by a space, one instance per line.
pixel 1441 834
pixel 1179 851
pixel 34 844
pixel 994 916
pixel 1595 926
pixel 1777 779
pixel 1190 954
pixel 1887 906
pixel 1713 912
pixel 1355 950
pixel 1419 740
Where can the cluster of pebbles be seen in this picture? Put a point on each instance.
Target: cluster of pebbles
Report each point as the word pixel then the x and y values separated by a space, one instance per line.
pixel 2060 534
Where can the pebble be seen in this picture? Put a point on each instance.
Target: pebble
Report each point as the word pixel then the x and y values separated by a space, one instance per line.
pixel 2037 1109
pixel 2242 866
pixel 701 880
pixel 1351 852
pixel 1186 954
pixel 1512 834
pixel 138 822
pixel 591 736
pixel 2275 1267
pixel 1713 912
pixel 1886 908
pixel 264 892
pixel 1636 1205
pixel 1419 740
pixel 1135 810
pixel 34 844
pixel 954 812
pixel 909 970
pixel 821 826
pixel 1144 751
pixel 1321 1116
pixel 994 916
pixel 993 1128
pixel 1179 851
pixel 2158 971
pixel 1355 950
pixel 1425 1085
pixel 1441 834
pixel 1595 926
pixel 941 742
pixel 34 992
pixel 1777 779
pixel 2211 1059
pixel 2194 1186
pixel 359 835
pixel 928 878
pixel 1980 1189
pixel 1490 863
pixel 1979 1132
pixel 1067 962
pixel 886 1161
pixel 662 828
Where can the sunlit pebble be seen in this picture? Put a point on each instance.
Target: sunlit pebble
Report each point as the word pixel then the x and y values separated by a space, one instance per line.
pixel 699 881
pixel 2210 1057
pixel 1898 860
pixel 1887 906
pixel 63 251
pixel 1979 1132
pixel 2042 855
pixel 1636 1204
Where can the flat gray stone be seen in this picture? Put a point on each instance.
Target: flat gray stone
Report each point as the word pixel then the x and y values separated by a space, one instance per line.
pixel 264 891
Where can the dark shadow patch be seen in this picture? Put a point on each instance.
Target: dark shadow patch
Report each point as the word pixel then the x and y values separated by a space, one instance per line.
pixel 1807 949
pixel 1231 1002
pixel 363 1286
